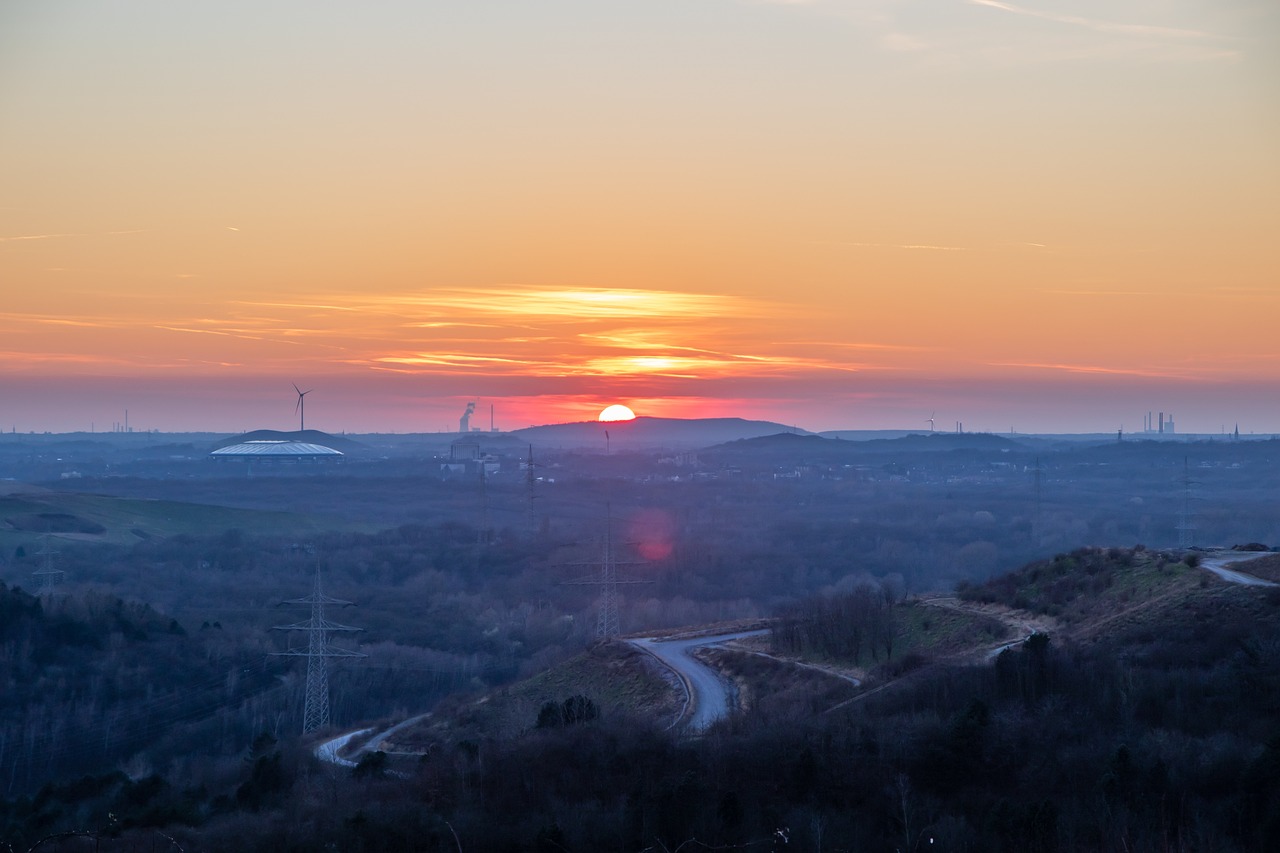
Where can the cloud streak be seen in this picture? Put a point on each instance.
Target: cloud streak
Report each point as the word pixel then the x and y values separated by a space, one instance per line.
pixel 1108 27
pixel 1095 370
pixel 22 237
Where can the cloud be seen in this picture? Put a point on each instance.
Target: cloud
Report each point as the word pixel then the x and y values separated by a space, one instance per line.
pixel 902 42
pixel 569 304
pixel 652 340
pixel 1107 293
pixel 929 247
pixel 1094 370
pixel 224 333
pixel 21 237
pixel 862 345
pixel 1097 25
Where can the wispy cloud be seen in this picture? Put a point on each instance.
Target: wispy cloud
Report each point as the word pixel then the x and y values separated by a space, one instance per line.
pixel 651 340
pixel 222 332
pixel 1096 370
pixel 903 42
pixel 22 237
pixel 926 247
pixel 861 345
pixel 1109 27
pixel 1058 292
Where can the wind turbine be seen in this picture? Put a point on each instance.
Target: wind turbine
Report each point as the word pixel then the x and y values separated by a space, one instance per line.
pixel 301 409
pixel 931 422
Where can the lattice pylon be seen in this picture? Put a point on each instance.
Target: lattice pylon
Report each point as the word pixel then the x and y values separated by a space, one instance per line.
pixel 315 713
pixel 47 577
pixel 608 623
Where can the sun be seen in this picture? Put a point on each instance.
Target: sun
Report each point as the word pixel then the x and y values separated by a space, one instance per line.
pixel 617 412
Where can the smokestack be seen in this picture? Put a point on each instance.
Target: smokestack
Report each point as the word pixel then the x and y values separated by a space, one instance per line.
pixel 1162 423
pixel 491 429
pixel 464 422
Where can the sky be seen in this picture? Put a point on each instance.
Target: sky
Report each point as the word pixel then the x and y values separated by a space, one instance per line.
pixel 1038 216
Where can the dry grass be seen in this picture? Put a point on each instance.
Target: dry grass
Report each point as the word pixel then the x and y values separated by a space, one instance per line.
pixel 1267 568
pixel 617 677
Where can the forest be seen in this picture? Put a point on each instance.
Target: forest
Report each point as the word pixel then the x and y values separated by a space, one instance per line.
pixel 1145 739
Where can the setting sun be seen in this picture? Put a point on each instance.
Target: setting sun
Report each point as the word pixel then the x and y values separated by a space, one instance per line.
pixel 617 412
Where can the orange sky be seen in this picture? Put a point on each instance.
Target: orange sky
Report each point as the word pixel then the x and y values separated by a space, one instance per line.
pixel 834 214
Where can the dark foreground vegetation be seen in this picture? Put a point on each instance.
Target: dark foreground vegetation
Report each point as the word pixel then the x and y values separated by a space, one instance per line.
pixel 1159 734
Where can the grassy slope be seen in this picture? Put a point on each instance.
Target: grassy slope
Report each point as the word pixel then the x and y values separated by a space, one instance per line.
pixel 1091 593
pixel 618 678
pixel 1267 568
pixel 1093 590
pixel 127 520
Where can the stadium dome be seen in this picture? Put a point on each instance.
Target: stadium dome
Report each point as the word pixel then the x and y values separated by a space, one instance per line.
pixel 277 451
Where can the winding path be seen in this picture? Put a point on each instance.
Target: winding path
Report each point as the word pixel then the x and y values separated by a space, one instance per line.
pixel 330 749
pixel 708 696
pixel 1217 563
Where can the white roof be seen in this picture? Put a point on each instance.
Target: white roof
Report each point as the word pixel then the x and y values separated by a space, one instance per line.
pixel 276 448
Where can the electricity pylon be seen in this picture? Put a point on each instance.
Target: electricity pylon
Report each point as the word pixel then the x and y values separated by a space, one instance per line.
pixel 1186 521
pixel 608 624
pixel 1037 531
pixel 315 713
pixel 47 578
pixel 531 495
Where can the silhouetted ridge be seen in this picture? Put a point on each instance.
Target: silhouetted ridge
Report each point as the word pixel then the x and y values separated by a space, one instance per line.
pixel 645 432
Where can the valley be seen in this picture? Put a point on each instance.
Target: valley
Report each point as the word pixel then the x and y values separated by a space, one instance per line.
pixel 910 609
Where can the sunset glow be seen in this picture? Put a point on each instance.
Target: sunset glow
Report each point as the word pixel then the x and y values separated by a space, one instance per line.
pixel 1044 216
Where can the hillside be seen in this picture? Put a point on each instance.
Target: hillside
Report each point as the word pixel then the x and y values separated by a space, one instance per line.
pixel 90 680
pixel 1143 719
pixel 617 679
pixel 1149 716
pixel 646 433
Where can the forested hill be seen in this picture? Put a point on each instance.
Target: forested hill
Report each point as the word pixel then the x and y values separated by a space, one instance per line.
pixel 1147 721
pixel 86 681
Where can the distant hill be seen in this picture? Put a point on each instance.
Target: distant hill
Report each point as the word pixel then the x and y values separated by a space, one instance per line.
pixel 870 434
pixel 815 448
pixel 650 433
pixel 947 441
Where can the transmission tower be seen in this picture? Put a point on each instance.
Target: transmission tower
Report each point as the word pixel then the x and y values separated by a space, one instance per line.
pixel 315 713
pixel 47 578
pixel 1036 531
pixel 607 621
pixel 1186 521
pixel 531 496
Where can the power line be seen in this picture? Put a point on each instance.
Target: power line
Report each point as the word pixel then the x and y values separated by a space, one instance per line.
pixel 1037 531
pixel 1186 521
pixel 530 480
pixel 608 624
pixel 47 578
pixel 316 710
